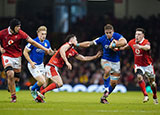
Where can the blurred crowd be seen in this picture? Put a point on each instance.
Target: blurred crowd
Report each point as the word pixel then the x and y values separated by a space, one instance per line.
pixel 88 28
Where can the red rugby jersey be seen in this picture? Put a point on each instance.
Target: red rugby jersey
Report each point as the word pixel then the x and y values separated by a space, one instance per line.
pixel 141 57
pixel 12 43
pixel 58 61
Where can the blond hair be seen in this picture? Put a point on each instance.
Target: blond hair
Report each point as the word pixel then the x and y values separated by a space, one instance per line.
pixel 42 28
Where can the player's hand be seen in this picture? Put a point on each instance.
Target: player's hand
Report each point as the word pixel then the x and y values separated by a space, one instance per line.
pixel 2 50
pixel 116 49
pixel 99 54
pixel 51 52
pixel 137 46
pixel 112 46
pixel 33 65
pixel 69 66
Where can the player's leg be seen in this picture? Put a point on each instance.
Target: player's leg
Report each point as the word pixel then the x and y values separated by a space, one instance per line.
pixel 57 82
pixel 52 73
pixel 45 84
pixel 139 74
pixel 38 74
pixel 154 89
pixel 106 66
pixel 11 82
pixel 149 72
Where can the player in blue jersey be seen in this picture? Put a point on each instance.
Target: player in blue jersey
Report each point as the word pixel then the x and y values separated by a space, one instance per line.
pixel 35 58
pixel 110 60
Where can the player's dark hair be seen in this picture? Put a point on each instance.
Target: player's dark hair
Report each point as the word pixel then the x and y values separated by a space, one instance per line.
pixel 108 27
pixel 69 37
pixel 141 29
pixel 13 23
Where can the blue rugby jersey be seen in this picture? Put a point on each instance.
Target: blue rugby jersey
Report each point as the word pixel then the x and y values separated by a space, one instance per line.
pixel 108 53
pixel 36 54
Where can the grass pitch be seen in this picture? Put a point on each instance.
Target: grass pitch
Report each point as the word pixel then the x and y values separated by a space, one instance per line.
pixel 64 103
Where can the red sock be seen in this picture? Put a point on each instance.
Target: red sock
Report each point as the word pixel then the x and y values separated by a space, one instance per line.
pixel 143 87
pixel 50 87
pixel 41 88
pixel 154 90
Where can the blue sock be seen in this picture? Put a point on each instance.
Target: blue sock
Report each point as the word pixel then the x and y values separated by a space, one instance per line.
pixel 35 87
pixel 107 82
pixel 110 89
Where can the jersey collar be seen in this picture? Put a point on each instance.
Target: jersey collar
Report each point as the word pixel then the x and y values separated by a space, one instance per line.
pixel 9 31
pixel 141 41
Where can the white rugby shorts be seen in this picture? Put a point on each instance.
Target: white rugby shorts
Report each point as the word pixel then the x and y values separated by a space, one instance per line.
pixel 51 71
pixel 147 70
pixel 115 66
pixel 14 62
pixel 38 71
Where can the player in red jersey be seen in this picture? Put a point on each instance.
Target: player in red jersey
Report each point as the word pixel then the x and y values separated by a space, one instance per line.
pixel 11 38
pixel 143 62
pixel 58 60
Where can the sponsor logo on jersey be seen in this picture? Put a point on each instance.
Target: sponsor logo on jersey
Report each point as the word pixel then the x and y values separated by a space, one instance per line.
pixel 10 42
pixel 106 46
pixel 40 50
pixel 137 51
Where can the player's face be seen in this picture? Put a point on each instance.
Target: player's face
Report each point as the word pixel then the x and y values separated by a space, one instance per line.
pixel 109 33
pixel 74 40
pixel 139 36
pixel 42 35
pixel 17 28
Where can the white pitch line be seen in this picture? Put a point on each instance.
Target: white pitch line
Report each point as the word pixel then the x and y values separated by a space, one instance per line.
pixel 97 111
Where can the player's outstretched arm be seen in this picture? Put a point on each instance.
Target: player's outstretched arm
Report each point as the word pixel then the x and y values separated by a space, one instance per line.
pixel 26 55
pixel 34 43
pixel 88 58
pixel 145 47
pixel 85 44
pixel 63 50
pixel 124 47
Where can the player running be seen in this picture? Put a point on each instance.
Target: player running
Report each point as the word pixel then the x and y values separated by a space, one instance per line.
pixel 35 57
pixel 11 38
pixel 110 60
pixel 58 60
pixel 143 64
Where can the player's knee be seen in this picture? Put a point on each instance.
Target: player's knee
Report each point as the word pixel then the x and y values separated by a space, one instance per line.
pixel 139 74
pixel 9 71
pixel 59 85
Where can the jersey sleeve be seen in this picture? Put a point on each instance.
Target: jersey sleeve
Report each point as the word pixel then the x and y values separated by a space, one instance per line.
pixel 147 42
pixel 129 43
pixel 117 36
pixel 98 40
pixel 29 46
pixel 23 34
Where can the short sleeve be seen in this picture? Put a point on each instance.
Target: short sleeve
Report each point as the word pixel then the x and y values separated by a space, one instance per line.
pixel 130 42
pixel 117 36
pixel 23 34
pixel 98 40
pixel 29 46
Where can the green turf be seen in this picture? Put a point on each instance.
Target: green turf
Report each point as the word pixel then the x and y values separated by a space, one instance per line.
pixel 63 103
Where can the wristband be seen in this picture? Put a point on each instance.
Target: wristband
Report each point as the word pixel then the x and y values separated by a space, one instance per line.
pixel 77 44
